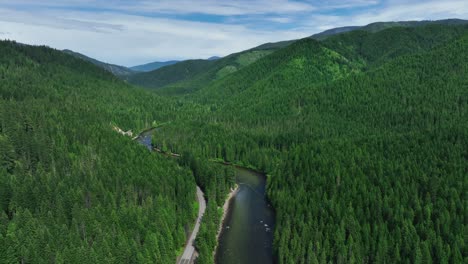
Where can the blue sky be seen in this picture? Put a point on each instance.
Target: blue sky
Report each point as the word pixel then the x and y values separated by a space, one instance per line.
pixel 140 31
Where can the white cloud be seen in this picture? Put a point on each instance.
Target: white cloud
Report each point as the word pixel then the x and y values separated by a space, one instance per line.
pixel 393 10
pixel 123 35
pixel 210 7
pixel 130 40
pixel 429 10
pixel 344 4
pixel 239 7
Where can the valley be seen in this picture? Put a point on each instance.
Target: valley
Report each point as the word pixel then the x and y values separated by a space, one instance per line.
pixel 361 135
pixel 247 233
pixel 246 230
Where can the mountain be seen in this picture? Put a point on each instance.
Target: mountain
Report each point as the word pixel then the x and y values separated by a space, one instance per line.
pixel 156 65
pixel 378 26
pixel 214 58
pixel 171 74
pixel 373 28
pixel 361 134
pixel 189 76
pixel 152 66
pixel 69 180
pixel 117 70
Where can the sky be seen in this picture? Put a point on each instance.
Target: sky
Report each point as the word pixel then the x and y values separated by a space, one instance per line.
pixel 133 32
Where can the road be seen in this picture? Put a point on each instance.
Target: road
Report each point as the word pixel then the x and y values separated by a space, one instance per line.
pixel 189 252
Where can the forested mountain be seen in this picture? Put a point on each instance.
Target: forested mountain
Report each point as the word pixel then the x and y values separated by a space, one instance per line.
pixel 187 76
pixel 385 183
pixel 71 189
pixel 363 135
pixel 117 70
pixel 152 66
pixel 191 75
pixel 158 64
pixel 179 72
pixel 379 26
pixel 371 28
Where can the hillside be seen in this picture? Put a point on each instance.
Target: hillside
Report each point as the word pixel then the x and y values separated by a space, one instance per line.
pixel 178 72
pixel 371 28
pixel 117 70
pixel 184 77
pixel 363 135
pixel 391 145
pixel 379 26
pixel 71 189
pixel 189 76
pixel 152 66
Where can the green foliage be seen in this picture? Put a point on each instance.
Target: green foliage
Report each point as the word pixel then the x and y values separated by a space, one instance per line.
pixel 364 136
pixel 226 71
pixel 71 189
pixel 189 76
pixel 171 74
pixel 215 180
pixel 247 58
pixel 117 70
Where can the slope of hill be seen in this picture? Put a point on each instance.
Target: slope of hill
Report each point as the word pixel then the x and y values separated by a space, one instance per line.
pixel 152 66
pixel 385 147
pixel 364 137
pixel 156 65
pixel 71 189
pixel 372 28
pixel 307 62
pixel 182 71
pixel 379 26
pixel 117 70
pixel 189 76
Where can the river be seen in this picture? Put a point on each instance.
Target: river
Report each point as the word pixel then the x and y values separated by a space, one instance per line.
pixel 145 139
pixel 247 232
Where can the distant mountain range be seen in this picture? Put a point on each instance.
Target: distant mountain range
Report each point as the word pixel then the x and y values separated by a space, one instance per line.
pixel 159 64
pixel 189 76
pixel 159 74
pixel 125 72
pixel 152 66
pixel 378 26
pixel 373 28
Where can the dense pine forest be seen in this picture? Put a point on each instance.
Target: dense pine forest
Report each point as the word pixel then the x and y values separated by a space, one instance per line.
pixel 71 189
pixel 363 137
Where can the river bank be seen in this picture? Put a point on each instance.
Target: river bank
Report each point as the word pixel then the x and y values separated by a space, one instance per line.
pixel 227 202
pixel 248 224
pixel 245 232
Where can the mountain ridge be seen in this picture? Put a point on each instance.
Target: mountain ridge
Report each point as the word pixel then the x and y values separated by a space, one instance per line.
pixel 117 70
pixel 151 66
pixel 166 82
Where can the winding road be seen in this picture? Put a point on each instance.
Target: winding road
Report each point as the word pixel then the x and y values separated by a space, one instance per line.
pixel 189 252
